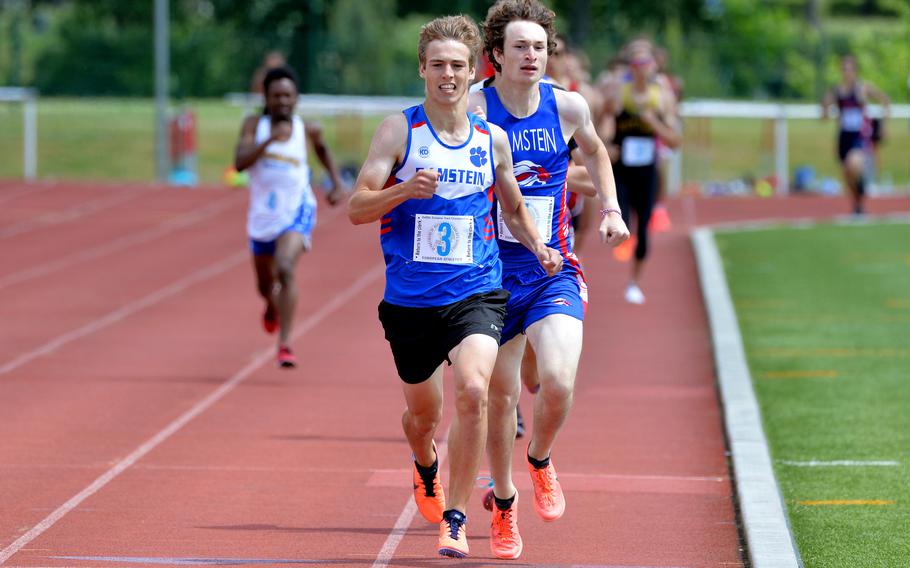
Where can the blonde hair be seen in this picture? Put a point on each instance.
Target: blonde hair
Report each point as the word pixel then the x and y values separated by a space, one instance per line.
pixel 459 28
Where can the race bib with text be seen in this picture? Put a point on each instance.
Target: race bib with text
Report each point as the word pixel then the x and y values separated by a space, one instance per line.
pixel 446 239
pixel 541 210
pixel 637 151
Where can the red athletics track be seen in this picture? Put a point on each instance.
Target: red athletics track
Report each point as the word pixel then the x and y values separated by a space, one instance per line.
pixel 143 423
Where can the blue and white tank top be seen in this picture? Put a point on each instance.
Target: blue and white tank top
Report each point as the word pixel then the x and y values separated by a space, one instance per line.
pixel 442 250
pixel 540 159
pixel 279 182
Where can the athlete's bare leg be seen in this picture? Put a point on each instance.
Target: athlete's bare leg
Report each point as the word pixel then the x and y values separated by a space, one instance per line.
pixel 422 416
pixel 264 264
pixel 854 170
pixel 288 249
pixel 472 362
pixel 505 389
pixel 557 341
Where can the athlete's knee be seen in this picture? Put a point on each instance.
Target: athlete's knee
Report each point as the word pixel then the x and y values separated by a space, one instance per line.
pixel 558 388
pixel 471 397
pixel 423 421
pixel 503 398
pixel 284 268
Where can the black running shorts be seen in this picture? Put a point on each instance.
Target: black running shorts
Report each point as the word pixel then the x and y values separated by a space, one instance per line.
pixel 421 338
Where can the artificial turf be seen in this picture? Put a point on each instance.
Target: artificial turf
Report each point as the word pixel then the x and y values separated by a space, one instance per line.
pixel 825 317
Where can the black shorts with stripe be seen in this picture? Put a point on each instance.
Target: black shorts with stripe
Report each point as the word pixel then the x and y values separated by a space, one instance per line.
pixel 421 338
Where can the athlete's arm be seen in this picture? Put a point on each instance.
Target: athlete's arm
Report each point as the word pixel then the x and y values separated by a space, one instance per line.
pixel 514 212
pixel 314 135
pixel 370 201
pixel 880 97
pixel 577 178
pixel 665 125
pixel 827 101
pixel 576 119
pixel 247 151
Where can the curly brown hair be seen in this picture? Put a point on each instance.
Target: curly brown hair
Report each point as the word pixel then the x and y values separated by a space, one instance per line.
pixel 506 11
pixel 460 28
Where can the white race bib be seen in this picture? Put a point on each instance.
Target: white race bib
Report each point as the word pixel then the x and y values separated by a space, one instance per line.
pixel 851 119
pixel 446 239
pixel 637 151
pixel 541 210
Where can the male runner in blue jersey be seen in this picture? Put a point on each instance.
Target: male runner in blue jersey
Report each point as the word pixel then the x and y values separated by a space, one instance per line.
pixel 429 177
pixel 539 120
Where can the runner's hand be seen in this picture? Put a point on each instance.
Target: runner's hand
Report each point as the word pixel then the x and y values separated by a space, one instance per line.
pixel 550 260
pixel 422 185
pixel 613 229
pixel 281 131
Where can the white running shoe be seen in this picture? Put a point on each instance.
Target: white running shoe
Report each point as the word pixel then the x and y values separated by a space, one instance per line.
pixel 634 295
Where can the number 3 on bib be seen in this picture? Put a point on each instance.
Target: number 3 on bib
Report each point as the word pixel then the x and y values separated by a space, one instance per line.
pixel 444 239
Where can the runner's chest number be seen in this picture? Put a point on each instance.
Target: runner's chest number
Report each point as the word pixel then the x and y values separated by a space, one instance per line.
pixel 444 239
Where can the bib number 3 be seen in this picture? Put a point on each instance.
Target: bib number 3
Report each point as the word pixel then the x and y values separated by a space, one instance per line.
pixel 444 239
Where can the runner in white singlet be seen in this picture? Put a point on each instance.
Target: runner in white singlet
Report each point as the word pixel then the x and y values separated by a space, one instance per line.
pixel 282 210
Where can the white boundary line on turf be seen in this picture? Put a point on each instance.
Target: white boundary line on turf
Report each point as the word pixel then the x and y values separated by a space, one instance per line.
pixel 766 527
pixel 841 463
pixel 340 300
pixel 387 552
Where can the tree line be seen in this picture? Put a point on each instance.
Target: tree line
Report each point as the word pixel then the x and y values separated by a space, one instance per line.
pixel 774 49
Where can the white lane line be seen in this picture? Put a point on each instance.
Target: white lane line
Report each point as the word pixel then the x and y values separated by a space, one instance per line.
pixel 387 552
pixel 302 327
pixel 181 222
pixel 125 311
pixel 841 463
pixel 25 191
pixel 81 210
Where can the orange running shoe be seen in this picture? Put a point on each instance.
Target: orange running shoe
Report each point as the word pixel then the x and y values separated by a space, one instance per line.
pixel 453 538
pixel 623 252
pixel 431 501
pixel 505 542
pixel 549 502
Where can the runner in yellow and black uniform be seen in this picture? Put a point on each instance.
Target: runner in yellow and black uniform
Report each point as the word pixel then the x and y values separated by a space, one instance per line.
pixel 643 115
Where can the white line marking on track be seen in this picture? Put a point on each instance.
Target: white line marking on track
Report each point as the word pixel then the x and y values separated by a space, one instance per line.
pixel 123 312
pixel 25 191
pixel 81 210
pixel 180 222
pixel 841 463
pixel 261 358
pixel 404 520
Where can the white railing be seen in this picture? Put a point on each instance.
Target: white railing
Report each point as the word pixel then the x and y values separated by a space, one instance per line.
pixel 29 100
pixel 779 113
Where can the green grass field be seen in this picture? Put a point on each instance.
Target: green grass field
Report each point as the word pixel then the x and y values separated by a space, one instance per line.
pixel 113 139
pixel 825 317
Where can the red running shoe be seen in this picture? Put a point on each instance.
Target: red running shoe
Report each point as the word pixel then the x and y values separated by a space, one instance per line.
pixel 286 359
pixel 270 320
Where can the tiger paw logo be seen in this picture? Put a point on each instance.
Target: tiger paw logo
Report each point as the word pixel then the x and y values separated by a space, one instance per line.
pixel 478 156
pixel 528 174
